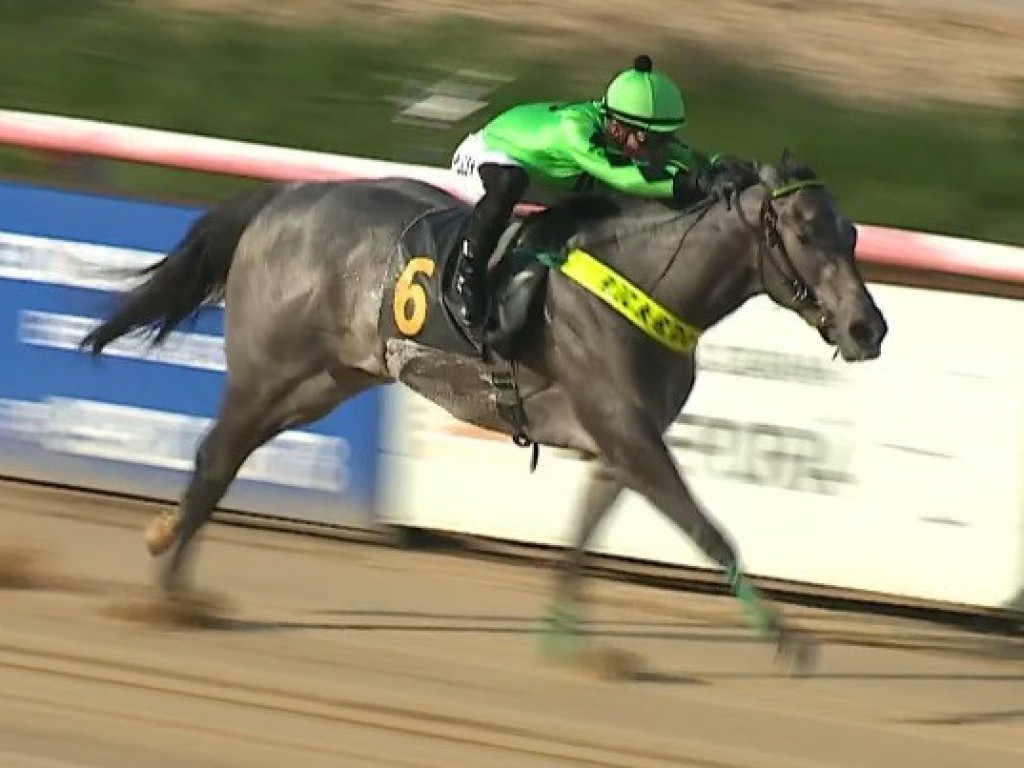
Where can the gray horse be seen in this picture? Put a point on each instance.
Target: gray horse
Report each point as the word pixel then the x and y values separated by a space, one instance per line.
pixel 334 287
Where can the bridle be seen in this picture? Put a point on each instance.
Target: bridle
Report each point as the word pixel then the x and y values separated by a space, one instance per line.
pixel 771 247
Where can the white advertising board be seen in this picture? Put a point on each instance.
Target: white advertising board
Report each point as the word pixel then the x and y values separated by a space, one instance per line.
pixel 901 475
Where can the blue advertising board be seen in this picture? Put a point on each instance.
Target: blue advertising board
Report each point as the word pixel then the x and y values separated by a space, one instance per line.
pixel 130 421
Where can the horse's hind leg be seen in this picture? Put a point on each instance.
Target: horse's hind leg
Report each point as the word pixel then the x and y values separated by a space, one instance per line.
pixel 250 416
pixel 603 489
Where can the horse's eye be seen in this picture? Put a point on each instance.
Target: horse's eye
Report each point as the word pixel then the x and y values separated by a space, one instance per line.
pixel 804 238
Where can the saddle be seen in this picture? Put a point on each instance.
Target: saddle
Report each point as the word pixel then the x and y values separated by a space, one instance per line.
pixel 415 306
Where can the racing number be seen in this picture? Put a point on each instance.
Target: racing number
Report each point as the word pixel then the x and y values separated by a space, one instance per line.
pixel 410 319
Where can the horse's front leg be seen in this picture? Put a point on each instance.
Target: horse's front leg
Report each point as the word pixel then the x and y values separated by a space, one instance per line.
pixel 635 453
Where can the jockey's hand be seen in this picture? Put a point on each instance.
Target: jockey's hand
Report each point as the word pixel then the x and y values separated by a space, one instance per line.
pixel 722 185
pixel 686 187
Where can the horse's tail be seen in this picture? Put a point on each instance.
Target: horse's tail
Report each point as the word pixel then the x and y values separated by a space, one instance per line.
pixel 194 272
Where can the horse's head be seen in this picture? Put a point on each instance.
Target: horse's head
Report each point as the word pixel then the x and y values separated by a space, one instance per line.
pixel 806 261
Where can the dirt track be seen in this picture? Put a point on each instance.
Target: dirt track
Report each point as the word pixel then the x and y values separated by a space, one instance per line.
pixel 356 655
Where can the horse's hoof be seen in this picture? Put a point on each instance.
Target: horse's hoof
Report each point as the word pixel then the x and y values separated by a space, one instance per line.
pixel 177 610
pixel 613 664
pixel 799 652
pixel 161 531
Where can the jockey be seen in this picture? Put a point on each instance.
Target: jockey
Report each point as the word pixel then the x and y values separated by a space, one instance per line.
pixel 625 141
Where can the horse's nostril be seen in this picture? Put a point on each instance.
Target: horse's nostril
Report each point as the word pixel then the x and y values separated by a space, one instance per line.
pixel 862 333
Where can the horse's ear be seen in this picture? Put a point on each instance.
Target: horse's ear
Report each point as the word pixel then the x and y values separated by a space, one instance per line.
pixel 787 160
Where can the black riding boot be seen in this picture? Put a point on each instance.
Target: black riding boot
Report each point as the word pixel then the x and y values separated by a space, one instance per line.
pixel 503 187
pixel 470 284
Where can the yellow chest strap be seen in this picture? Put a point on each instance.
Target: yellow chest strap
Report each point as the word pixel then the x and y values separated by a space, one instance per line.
pixel 630 302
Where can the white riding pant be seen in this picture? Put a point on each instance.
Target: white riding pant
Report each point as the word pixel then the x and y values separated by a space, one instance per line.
pixel 467 159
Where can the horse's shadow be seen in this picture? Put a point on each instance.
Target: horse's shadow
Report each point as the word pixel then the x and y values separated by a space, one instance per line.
pixel 972 718
pixel 428 623
pixel 417 622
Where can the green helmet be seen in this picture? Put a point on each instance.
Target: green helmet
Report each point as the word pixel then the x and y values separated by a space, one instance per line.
pixel 645 98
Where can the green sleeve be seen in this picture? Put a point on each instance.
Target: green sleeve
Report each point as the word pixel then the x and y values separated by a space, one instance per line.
pixel 689 159
pixel 594 161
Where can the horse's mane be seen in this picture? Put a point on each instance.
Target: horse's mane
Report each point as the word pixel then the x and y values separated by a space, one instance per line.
pixel 602 205
pixel 788 170
pixel 587 206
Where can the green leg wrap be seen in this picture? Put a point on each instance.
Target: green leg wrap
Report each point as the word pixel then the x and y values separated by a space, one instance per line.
pixel 560 631
pixel 760 615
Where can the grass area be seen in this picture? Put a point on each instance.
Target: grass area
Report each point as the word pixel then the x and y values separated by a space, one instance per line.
pixel 934 168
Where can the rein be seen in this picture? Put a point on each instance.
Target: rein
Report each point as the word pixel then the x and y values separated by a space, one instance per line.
pixel 769 242
pixel 702 208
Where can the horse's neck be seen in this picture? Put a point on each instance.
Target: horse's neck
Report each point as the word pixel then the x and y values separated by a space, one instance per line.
pixel 703 270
